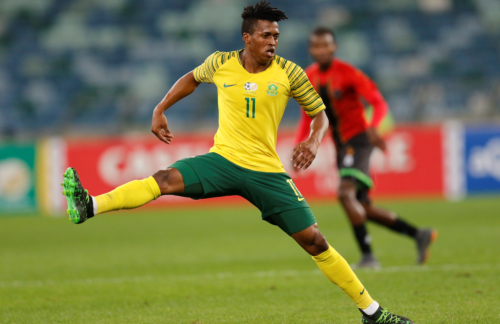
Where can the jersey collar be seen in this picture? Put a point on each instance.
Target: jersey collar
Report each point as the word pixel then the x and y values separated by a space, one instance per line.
pixel 241 64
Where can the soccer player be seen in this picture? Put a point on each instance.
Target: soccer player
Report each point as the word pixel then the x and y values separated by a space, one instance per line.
pixel 254 85
pixel 342 88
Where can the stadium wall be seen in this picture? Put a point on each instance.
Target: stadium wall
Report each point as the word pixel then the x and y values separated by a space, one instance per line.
pixel 445 160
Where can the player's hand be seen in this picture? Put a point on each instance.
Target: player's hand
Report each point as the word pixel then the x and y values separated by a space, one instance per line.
pixel 304 154
pixel 375 139
pixel 159 127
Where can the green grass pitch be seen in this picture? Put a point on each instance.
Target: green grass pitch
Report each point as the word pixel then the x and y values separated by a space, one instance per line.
pixel 215 265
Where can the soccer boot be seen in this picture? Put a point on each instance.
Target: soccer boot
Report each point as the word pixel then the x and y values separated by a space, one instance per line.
pixel 368 261
pixel 382 316
pixel 78 199
pixel 424 238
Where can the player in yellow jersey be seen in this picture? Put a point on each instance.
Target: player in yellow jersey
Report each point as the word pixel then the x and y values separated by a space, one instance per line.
pixel 254 86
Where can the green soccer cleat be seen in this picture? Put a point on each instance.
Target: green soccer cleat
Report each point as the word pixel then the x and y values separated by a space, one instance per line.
pixel 382 316
pixel 77 198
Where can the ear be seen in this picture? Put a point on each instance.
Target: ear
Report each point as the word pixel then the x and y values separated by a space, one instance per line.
pixel 246 38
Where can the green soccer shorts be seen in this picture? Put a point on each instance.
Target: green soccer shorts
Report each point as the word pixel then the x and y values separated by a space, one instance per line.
pixel 275 194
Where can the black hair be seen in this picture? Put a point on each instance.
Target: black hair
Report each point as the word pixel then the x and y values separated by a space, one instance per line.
pixel 320 31
pixel 261 10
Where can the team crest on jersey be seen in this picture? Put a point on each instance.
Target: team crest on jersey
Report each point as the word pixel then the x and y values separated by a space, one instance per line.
pixel 251 88
pixel 272 89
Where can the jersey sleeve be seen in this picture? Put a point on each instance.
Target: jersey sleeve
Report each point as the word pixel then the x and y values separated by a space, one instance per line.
pixel 206 71
pixel 303 91
pixel 369 91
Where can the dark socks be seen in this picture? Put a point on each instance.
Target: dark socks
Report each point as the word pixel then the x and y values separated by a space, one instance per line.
pixel 363 238
pixel 402 227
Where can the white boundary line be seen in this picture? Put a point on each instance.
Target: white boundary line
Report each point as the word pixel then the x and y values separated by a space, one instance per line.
pixel 230 275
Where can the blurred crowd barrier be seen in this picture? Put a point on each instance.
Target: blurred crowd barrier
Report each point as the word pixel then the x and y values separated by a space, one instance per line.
pixel 81 66
pixel 449 160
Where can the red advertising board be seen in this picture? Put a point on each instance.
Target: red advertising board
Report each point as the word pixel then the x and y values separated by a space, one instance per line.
pixel 104 164
pixel 411 166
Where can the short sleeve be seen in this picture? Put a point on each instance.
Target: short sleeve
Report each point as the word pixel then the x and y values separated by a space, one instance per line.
pixel 206 71
pixel 303 91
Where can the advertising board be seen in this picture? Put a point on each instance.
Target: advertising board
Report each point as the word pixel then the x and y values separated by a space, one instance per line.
pixel 482 159
pixel 17 178
pixel 411 166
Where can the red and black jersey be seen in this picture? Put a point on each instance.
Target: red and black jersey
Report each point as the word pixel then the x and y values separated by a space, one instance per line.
pixel 342 88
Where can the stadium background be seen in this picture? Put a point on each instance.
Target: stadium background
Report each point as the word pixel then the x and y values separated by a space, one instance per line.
pixel 96 69
pixel 80 78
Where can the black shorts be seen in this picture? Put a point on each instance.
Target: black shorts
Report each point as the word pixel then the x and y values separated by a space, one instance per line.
pixel 353 161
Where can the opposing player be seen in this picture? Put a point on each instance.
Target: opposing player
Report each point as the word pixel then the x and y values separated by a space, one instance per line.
pixel 342 88
pixel 254 85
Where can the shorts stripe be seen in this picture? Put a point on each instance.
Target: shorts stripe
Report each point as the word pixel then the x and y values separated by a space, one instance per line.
pixel 359 175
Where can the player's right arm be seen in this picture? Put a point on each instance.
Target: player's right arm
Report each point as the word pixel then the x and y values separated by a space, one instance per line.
pixel 183 88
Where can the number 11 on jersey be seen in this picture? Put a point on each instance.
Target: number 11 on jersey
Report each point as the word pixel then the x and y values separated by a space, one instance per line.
pixel 295 189
pixel 248 107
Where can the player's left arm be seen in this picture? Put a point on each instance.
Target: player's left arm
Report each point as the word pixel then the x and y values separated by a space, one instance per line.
pixel 303 128
pixel 302 90
pixel 305 152
pixel 369 91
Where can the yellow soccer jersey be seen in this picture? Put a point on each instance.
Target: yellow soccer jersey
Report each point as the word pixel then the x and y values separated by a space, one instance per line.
pixel 251 106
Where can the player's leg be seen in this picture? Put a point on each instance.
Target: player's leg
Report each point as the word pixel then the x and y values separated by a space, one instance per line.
pixel 382 216
pixel 354 210
pixel 203 176
pixel 139 192
pixel 353 161
pixel 332 264
pixel 423 237
pixel 282 204
pixel 82 206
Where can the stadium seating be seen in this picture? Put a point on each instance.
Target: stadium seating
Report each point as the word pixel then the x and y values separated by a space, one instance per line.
pixel 68 65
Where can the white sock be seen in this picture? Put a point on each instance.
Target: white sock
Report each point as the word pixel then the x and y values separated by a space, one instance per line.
pixel 370 310
pixel 94 203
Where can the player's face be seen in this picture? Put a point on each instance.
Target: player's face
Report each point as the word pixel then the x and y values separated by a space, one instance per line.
pixel 322 48
pixel 263 42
